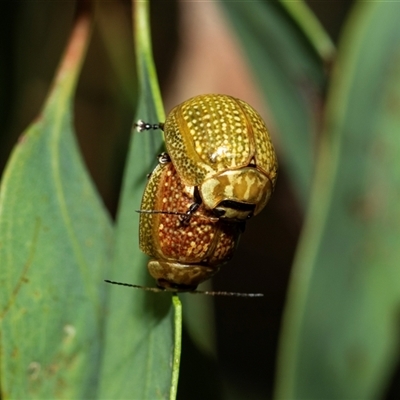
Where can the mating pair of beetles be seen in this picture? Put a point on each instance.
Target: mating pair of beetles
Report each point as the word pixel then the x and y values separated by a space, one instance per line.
pixel 220 169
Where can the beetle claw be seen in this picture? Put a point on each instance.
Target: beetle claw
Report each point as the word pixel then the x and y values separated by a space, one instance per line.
pixel 145 126
pixel 164 158
pixel 185 219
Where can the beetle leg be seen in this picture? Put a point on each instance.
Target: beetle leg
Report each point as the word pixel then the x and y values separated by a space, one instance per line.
pixel 185 219
pixel 164 158
pixel 242 226
pixel 145 126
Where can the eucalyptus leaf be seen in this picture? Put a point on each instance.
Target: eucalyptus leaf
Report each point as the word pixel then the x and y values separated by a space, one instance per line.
pixel 291 76
pixel 341 335
pixel 138 342
pixel 56 241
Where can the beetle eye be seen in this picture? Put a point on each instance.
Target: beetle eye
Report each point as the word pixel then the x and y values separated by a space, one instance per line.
pixel 234 210
pixel 237 205
pixel 219 212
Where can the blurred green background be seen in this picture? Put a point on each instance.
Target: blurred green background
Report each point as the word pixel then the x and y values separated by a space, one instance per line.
pixel 195 51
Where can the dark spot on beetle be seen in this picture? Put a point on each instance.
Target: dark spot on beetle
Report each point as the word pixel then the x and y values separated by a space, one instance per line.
pixel 236 205
pixel 218 212
pixel 164 158
pixel 196 195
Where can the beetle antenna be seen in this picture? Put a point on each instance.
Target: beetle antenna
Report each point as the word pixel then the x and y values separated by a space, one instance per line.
pixel 223 293
pixel 145 126
pixel 205 292
pixel 149 289
pixel 181 214
pixel 160 212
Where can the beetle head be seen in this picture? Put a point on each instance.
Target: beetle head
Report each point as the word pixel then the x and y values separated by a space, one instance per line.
pixel 236 194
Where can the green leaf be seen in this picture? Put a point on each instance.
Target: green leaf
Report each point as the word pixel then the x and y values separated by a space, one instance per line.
pixel 64 332
pixel 138 343
pixel 56 240
pixel 311 28
pixel 340 336
pixel 291 76
pixel 177 345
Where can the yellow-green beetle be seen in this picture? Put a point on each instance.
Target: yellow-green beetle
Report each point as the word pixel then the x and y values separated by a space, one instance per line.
pixel 183 253
pixel 221 148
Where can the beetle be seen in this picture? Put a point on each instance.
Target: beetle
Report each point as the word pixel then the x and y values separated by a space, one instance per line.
pixel 184 253
pixel 220 146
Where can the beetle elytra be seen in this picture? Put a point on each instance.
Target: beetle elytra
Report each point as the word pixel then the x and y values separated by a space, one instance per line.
pixel 221 146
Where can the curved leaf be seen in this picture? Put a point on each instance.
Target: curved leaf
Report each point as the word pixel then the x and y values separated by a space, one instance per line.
pixel 56 240
pixel 139 336
pixel 291 77
pixel 311 28
pixel 340 337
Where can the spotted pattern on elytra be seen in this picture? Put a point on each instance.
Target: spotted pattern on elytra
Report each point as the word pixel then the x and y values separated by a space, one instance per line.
pixel 219 131
pixel 146 242
pixel 225 245
pixel 205 239
pixel 265 156
pixel 209 134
